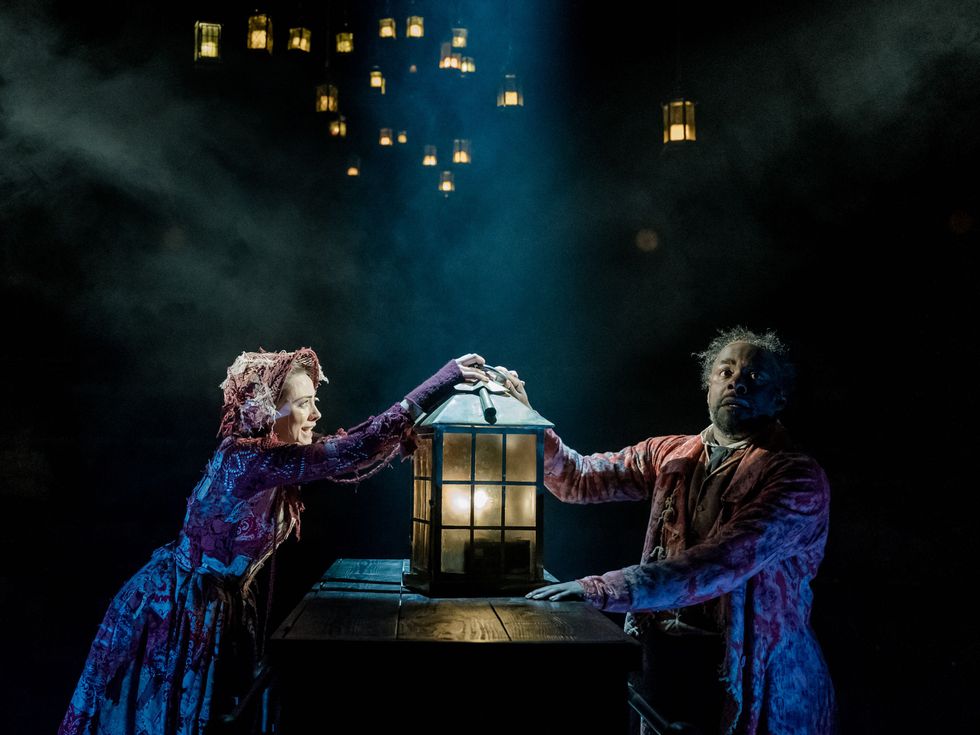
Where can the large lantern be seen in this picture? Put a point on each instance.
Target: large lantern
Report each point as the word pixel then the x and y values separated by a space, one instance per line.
pixel 386 28
pixel 459 37
pixel 467 65
pixel 429 156
pixel 478 477
pixel 207 41
pixel 447 182
pixel 353 166
pixel 377 80
pixel 415 26
pixel 345 42
pixel 338 127
pixel 260 33
pixel 385 137
pixel 679 121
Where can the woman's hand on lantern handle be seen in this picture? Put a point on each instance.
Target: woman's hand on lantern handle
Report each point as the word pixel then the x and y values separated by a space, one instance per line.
pixel 470 365
pixel 514 384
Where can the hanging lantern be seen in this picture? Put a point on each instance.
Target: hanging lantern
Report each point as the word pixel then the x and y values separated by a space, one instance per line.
pixel 338 127
pixel 260 33
pixel 402 136
pixel 447 182
pixel 386 28
pixel 415 26
pixel 207 41
pixel 385 137
pixel 326 98
pixel 299 39
pixel 459 37
pixel 377 80
pixel 429 156
pixel 345 42
pixel 412 69
pixel 478 479
pixel 353 166
pixel 467 65
pixel 679 121
pixel 461 151
pixel 445 55
pixel 509 93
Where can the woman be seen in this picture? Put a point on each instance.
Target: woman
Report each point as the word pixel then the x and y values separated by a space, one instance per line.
pixel 177 645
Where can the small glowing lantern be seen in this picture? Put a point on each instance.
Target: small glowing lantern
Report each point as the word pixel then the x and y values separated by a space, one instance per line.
pixel 461 151
pixel 478 478
pixel 385 137
pixel 386 28
pixel 345 42
pixel 402 136
pixel 467 65
pixel 260 33
pixel 429 156
pixel 447 182
pixel 510 94
pixel 415 26
pixel 412 69
pixel 299 39
pixel 354 166
pixel 459 37
pixel 326 98
pixel 338 127
pixel 446 55
pixel 207 41
pixel 679 121
pixel 377 80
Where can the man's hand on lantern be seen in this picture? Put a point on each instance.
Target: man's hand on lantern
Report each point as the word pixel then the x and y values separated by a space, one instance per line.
pixel 470 365
pixel 514 384
pixel 562 591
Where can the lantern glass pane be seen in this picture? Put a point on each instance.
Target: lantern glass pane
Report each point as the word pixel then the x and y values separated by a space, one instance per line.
pixel 518 552
pixel 489 456
pixel 520 505
pixel 522 458
pixel 454 544
pixel 484 558
pixel 487 504
pixel 421 498
pixel 420 545
pixel 456 456
pixel 456 505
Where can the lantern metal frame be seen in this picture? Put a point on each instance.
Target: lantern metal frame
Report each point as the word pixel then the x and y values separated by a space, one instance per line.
pixel 387 28
pixel 259 23
pixel 326 98
pixel 679 112
pixel 300 39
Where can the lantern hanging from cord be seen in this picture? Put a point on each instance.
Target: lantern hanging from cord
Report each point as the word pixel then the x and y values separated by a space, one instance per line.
pixel 461 151
pixel 415 26
pixel 326 98
pixel 679 123
pixel 429 156
pixel 260 33
pixel 467 65
pixel 402 137
pixel 377 80
pixel 353 166
pixel 385 137
pixel 459 37
pixel 445 55
pixel 299 39
pixel 387 28
pixel 338 127
pixel 207 41
pixel 447 182
pixel 510 94
pixel 345 42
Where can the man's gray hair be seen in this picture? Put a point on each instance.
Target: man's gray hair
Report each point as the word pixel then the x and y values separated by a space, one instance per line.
pixel 768 341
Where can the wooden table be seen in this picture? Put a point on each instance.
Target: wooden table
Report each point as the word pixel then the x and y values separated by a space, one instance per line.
pixel 361 649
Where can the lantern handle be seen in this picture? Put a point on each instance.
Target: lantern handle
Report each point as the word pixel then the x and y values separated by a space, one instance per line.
pixel 489 410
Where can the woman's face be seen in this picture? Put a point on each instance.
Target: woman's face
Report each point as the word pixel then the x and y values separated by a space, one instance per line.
pixel 298 403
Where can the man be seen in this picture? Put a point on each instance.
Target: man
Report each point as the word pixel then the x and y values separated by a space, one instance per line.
pixel 738 523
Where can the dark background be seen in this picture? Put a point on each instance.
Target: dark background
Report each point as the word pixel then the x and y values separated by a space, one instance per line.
pixel 157 219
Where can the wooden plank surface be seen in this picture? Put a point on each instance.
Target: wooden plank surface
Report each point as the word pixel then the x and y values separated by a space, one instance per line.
pixel 575 622
pixel 346 616
pixel 366 570
pixel 459 620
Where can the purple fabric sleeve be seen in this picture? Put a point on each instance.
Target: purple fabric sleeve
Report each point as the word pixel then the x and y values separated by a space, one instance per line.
pixel 609 591
pixel 430 393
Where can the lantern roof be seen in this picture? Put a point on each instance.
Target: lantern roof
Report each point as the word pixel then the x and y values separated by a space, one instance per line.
pixel 465 408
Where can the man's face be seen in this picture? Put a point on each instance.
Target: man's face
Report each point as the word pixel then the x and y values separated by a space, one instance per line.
pixel 744 391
